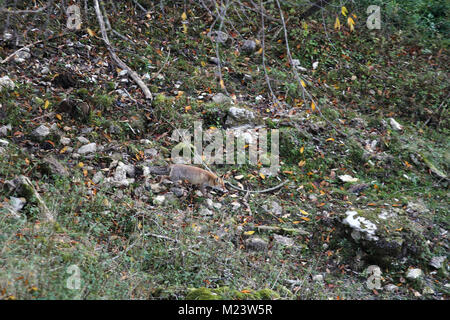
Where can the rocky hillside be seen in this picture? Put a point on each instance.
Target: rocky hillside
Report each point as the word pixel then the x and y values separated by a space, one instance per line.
pixel 357 210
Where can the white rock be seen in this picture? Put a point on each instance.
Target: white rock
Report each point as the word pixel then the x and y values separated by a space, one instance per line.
pixel 318 278
pixel 41 131
pixel 220 98
pixel 22 55
pixel 347 178
pixel 205 212
pixel 98 177
pixel 64 141
pixel 6 82
pixel 83 140
pixel 159 200
pixel 288 242
pixel 249 45
pixel 360 225
pixel 395 125
pixel 437 261
pixel 414 273
pixel 4 129
pixel 390 287
pixel 256 244
pixel 88 148
pixel 428 290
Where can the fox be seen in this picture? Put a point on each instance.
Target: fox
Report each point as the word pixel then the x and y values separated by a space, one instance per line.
pixel 193 175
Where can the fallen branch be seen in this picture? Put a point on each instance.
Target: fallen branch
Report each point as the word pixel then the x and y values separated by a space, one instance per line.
pixel 49 3
pixel 29 46
pixel 258 191
pixel 26 189
pixel 117 60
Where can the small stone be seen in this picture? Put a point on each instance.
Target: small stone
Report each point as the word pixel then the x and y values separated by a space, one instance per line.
pixel 217 205
pixel 205 212
pixel 235 206
pixel 159 200
pixel 347 178
pixel 249 46
pixel 318 278
pixel 157 187
pixel 41 131
pixel 64 141
pixel 220 98
pixel 390 287
pixel 83 140
pixel 219 36
pixel 414 273
pixel 209 203
pixel 6 82
pixel 428 290
pixel 22 55
pixel 98 177
pixel 88 148
pixel 288 242
pixel 395 125
pixel 4 130
pixel 256 244
pixel 436 262
pixel 179 192
pixel 45 70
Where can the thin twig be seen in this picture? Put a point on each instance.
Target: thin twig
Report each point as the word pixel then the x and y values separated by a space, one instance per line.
pixel 117 60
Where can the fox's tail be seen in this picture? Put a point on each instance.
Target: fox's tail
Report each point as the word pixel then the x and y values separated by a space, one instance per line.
pixel 160 170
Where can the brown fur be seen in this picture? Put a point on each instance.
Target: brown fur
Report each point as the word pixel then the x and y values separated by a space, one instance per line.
pixel 195 176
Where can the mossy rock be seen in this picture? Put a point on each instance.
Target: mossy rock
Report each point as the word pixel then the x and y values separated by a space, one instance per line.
pixel 226 293
pixel 396 236
pixel 202 294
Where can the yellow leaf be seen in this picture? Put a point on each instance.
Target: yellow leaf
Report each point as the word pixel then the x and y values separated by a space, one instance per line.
pixel 187 108
pixel 351 23
pixel 222 84
pixel 305 26
pixel 304 212
pixel 203 63
pixel 344 11
pixel 184 16
pixel 185 29
pixel 85 173
pixel 63 149
pixel 337 24
pixel 305 218
pixel 259 51
pixel 330 139
pixel 302 149
pixel 249 233
pixel 46 104
pixel 245 291
pixel 301 163
pixel 303 83
pixel 90 32
pixel 313 106
pixel 81 164
pixel 262 176
pixel 58 116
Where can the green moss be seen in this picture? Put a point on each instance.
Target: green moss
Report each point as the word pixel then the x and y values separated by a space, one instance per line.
pixel 202 294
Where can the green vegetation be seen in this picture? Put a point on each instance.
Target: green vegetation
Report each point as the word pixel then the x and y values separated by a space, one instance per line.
pixel 128 245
